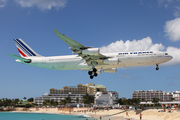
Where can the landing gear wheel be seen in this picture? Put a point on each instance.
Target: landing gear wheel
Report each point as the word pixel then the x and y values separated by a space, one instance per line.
pixel 90 72
pixel 91 77
pixel 157 68
pixel 95 74
pixel 94 70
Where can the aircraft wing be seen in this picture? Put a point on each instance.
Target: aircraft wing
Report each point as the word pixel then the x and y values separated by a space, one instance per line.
pixel 20 58
pixel 78 48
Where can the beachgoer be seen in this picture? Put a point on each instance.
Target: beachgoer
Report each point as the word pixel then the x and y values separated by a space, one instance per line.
pixel 140 116
pixel 127 114
pixel 100 117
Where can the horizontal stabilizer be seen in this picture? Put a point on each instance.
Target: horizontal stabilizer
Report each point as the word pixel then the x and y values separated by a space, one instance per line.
pixel 20 58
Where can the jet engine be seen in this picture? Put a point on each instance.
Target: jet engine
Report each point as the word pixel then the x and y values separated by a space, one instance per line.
pixel 111 70
pixel 111 61
pixel 91 51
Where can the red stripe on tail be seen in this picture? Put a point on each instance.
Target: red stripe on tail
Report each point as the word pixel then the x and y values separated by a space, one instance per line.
pixel 21 53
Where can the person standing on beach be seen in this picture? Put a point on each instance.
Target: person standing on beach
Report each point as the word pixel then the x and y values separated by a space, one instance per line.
pixel 127 114
pixel 140 116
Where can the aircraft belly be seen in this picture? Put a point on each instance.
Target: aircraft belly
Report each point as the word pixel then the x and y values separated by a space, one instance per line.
pixel 138 61
pixel 82 65
pixel 65 65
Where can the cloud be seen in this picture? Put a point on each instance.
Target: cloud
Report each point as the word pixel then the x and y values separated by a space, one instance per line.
pixel 42 4
pixel 143 45
pixel 171 4
pixel 135 45
pixel 3 3
pixel 177 11
pixel 172 29
pixel 165 3
pixel 175 52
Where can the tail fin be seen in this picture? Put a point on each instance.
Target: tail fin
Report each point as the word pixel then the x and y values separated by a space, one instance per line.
pixel 24 49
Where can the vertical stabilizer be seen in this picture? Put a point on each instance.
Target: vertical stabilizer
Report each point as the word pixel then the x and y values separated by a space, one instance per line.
pixel 24 49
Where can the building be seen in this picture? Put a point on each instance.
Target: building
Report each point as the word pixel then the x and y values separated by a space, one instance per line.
pixel 176 96
pixel 149 95
pixel 89 88
pixel 59 97
pixel 70 91
pixel 93 89
pixel 106 98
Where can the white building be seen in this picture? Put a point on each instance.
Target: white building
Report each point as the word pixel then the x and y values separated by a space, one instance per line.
pixel 106 98
pixel 150 94
pixel 58 98
pixel 176 96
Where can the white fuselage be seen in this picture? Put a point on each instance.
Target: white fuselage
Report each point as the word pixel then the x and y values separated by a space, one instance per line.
pixel 122 59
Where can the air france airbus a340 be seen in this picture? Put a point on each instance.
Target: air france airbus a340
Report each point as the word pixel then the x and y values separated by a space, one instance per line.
pixel 88 58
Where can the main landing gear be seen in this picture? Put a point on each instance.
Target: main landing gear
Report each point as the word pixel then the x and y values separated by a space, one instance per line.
pixel 93 73
pixel 157 68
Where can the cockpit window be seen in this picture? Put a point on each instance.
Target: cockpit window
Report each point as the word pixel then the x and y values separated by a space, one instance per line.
pixel 166 53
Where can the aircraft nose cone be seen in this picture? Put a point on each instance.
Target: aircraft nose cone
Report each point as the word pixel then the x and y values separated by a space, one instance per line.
pixel 170 57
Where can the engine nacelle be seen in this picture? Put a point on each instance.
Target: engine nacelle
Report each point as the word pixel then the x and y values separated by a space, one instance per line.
pixel 91 51
pixel 111 61
pixel 111 70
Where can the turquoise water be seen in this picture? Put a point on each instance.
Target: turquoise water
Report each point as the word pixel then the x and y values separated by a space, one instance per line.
pixel 38 116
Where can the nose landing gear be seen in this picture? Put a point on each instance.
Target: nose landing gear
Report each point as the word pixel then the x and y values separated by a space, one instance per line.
pixel 93 73
pixel 157 68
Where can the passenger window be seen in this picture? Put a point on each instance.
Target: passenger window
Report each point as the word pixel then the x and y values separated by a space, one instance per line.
pixel 166 53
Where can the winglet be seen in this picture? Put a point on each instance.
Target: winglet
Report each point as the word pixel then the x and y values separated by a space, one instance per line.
pixel 57 32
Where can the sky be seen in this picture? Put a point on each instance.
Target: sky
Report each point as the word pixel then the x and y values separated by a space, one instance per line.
pixel 113 26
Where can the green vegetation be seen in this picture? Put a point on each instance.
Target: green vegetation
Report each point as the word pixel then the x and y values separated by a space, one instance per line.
pixel 30 99
pixel 88 99
pixel 77 100
pixel 4 102
pixel 124 101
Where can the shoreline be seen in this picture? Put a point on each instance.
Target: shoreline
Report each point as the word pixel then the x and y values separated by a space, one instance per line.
pixel 114 114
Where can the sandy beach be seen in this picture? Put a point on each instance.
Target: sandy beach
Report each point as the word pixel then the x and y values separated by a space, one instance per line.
pixel 114 114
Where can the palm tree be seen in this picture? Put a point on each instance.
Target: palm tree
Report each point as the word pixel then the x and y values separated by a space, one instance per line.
pixel 24 98
pixel 87 99
pixel 63 102
pixel 155 101
pixel 77 100
pixel 68 99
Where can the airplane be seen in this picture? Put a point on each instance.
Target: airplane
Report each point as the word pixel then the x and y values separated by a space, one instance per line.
pixel 88 58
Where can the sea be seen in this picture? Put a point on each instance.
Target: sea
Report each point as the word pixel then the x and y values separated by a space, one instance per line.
pixel 39 116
